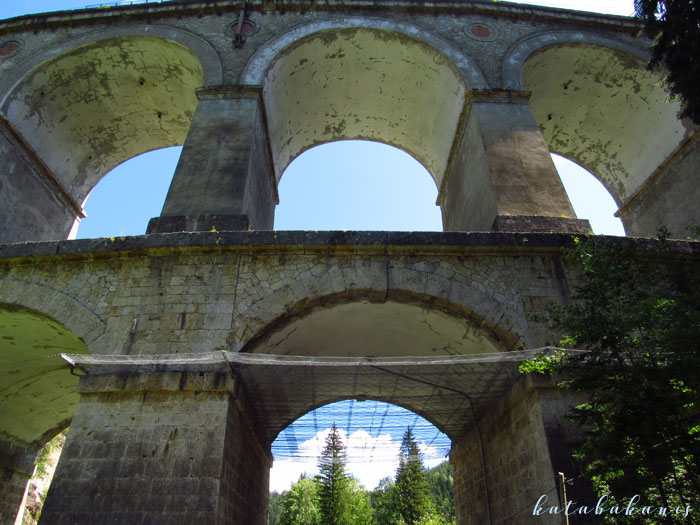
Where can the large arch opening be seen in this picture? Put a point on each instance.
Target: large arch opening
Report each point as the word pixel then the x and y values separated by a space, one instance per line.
pixel 372 432
pixel 363 83
pixel 357 185
pixel 125 199
pixel 38 397
pixel 359 354
pixel 602 108
pixel 90 109
pixel 589 197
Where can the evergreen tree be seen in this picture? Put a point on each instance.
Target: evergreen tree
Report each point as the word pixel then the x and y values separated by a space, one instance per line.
pixel 333 492
pixel 441 484
pixel 300 504
pixel 412 492
pixel 674 25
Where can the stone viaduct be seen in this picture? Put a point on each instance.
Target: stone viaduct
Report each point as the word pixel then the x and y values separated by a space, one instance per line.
pixel 197 347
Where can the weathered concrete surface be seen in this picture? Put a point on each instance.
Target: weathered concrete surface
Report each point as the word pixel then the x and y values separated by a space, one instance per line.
pixel 521 445
pixel 106 102
pixel 16 468
pixel 503 168
pixel 363 84
pixel 225 167
pixel 29 193
pixel 120 81
pixel 669 197
pixel 32 372
pixel 634 127
pixel 160 453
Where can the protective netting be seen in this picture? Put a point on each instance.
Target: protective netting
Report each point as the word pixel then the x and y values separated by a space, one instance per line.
pixel 282 394
pixel 373 431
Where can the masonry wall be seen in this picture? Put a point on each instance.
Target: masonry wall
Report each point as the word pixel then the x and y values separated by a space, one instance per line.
pixel 157 449
pixel 16 468
pixel 524 449
pixel 141 296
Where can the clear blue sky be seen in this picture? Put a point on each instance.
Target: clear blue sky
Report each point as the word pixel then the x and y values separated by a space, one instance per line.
pixel 345 185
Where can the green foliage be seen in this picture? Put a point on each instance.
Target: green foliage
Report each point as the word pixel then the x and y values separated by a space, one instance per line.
pixel 359 504
pixel 385 504
pixel 39 483
pixel 274 509
pixel 674 25
pixel 638 315
pixel 300 504
pixel 411 484
pixel 334 488
pixel 441 484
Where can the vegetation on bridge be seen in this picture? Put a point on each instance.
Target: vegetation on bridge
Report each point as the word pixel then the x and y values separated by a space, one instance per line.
pixel 637 312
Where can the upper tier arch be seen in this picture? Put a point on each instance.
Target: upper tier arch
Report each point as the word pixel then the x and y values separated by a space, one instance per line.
pixel 598 105
pixel 95 101
pixel 342 80
pixel 212 69
pixel 519 54
pixel 256 68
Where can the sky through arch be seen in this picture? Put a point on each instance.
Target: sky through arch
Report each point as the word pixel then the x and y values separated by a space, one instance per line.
pixel 371 431
pixel 357 185
pixel 345 185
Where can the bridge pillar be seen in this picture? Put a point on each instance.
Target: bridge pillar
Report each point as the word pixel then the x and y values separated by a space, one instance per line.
pixel 224 179
pixel 170 447
pixel 16 468
pixel 525 444
pixel 502 177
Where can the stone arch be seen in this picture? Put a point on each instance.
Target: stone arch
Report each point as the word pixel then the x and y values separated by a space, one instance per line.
pixel 254 72
pixel 208 57
pixel 69 311
pixel 599 106
pixel 522 50
pixel 75 106
pixel 39 394
pixel 482 320
pixel 358 78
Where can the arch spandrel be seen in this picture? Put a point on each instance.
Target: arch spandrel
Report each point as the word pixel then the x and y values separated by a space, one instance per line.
pixel 80 113
pixel 598 105
pixel 363 83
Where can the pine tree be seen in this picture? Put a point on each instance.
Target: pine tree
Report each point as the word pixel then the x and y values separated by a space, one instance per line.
pixel 412 491
pixel 333 492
